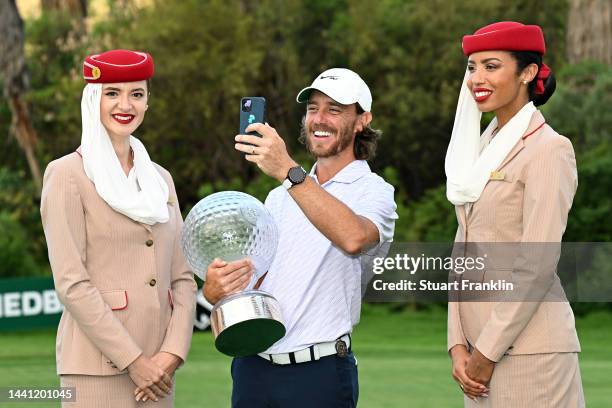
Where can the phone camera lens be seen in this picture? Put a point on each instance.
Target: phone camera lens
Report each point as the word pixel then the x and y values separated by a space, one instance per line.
pixel 246 105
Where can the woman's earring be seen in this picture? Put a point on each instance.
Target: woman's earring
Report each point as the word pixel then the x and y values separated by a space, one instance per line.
pixel 525 82
pixel 146 107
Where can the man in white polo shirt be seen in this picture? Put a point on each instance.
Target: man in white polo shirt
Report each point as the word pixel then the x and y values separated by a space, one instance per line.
pixel 326 220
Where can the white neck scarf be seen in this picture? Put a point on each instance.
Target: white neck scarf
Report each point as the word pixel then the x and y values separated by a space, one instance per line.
pixel 468 170
pixel 147 205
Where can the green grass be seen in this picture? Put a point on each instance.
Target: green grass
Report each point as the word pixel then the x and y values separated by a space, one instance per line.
pixel 402 362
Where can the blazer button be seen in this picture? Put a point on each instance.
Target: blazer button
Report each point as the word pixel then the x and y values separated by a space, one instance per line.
pixel 149 242
pixel 152 282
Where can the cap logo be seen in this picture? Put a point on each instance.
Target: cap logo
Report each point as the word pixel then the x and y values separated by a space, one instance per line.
pixel 95 73
pixel 334 77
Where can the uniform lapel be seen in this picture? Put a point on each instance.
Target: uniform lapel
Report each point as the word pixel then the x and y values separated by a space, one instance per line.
pixel 517 148
pixel 536 121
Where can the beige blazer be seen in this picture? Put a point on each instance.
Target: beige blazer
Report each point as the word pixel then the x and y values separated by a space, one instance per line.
pixel 527 201
pixel 126 287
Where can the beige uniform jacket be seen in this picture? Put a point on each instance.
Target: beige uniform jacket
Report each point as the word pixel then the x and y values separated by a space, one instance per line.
pixel 527 201
pixel 126 287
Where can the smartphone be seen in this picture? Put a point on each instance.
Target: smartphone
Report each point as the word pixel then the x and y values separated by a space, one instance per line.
pixel 252 110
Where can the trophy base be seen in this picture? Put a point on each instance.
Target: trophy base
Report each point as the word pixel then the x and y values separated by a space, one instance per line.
pixel 246 323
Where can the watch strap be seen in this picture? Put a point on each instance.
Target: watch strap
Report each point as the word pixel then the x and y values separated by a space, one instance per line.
pixel 287 184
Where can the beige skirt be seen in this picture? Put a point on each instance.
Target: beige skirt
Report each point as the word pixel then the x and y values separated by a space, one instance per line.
pixel 112 391
pixel 536 380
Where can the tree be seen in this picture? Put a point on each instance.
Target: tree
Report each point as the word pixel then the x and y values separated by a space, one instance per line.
pixel 16 82
pixel 76 9
pixel 589 31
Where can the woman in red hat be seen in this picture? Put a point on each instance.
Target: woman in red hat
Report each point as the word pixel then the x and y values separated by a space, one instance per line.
pixel 512 185
pixel 112 223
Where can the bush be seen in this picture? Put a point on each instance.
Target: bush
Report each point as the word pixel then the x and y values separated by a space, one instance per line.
pixel 21 217
pixel 431 218
pixel 580 107
pixel 15 260
pixel 589 219
pixel 580 110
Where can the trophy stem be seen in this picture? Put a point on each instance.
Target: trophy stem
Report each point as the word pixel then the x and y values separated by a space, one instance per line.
pixel 246 323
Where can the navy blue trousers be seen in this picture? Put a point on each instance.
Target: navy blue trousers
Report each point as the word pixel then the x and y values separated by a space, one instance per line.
pixel 330 382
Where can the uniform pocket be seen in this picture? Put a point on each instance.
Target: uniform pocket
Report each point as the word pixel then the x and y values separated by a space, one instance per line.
pixel 116 299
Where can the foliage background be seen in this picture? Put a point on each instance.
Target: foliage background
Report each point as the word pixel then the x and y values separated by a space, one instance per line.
pixel 209 53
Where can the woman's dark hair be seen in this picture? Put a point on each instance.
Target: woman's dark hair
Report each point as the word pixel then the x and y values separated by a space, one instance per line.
pixel 523 59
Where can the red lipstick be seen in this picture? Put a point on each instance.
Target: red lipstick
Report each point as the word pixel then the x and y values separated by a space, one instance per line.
pixel 481 94
pixel 124 119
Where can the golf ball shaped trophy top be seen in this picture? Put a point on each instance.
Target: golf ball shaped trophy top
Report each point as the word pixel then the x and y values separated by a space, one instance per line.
pixel 231 225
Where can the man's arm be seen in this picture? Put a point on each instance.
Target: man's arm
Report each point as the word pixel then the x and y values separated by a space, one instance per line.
pixel 336 221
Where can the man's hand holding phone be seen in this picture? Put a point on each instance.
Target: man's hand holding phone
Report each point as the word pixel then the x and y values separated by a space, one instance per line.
pixel 252 110
pixel 269 151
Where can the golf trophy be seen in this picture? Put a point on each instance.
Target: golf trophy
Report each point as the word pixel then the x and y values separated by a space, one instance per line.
pixel 231 225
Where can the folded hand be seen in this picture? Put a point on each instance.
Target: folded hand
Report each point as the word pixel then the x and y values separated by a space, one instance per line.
pixel 460 356
pixel 167 362
pixel 150 378
pixel 479 368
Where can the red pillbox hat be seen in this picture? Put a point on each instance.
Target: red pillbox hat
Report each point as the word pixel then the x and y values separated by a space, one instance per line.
pixel 505 36
pixel 118 66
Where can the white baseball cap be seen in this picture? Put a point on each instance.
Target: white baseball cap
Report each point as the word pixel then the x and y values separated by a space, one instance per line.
pixel 342 85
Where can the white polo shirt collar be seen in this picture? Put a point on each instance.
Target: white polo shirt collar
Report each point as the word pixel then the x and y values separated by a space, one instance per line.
pixel 349 174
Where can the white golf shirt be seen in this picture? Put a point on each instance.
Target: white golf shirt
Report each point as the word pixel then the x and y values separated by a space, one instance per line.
pixel 318 285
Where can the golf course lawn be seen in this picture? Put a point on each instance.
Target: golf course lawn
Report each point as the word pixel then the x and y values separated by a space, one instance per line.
pixel 401 356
